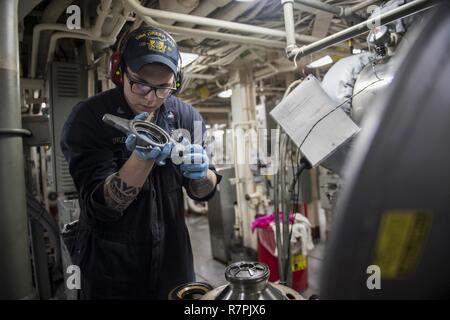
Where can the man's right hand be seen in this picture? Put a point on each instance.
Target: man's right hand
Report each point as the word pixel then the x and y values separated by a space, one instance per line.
pixel 155 153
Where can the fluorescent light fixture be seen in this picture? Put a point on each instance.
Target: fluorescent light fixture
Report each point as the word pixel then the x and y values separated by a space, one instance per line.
pixel 225 94
pixel 187 58
pixel 320 62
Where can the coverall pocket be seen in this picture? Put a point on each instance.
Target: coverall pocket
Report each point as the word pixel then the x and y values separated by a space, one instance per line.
pixel 117 269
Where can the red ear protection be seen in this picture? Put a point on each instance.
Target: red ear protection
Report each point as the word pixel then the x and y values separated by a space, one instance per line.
pixel 115 69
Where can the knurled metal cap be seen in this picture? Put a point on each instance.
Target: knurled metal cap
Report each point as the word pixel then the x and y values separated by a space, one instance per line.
pixel 248 272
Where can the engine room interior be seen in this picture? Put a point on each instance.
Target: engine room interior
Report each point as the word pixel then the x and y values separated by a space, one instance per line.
pixel 224 150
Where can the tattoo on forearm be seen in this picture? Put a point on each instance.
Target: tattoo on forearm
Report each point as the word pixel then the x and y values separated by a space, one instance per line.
pixel 201 188
pixel 118 195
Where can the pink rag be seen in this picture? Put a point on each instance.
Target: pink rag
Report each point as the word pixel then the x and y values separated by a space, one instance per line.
pixel 264 221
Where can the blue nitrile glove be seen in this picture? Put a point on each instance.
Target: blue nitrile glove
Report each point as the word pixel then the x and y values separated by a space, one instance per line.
pixel 195 162
pixel 154 153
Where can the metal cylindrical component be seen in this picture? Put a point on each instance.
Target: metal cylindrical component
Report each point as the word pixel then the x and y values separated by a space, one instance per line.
pixel 249 281
pixel 190 291
pixel 15 263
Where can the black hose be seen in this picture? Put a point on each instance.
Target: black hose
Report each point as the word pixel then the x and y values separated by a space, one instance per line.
pixel 38 213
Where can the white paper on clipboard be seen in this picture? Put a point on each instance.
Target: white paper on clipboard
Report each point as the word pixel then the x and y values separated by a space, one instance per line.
pixel 307 116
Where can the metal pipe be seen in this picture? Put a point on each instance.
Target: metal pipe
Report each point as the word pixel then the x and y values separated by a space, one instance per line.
pixel 336 10
pixel 288 10
pixel 60 35
pixel 111 39
pixel 284 213
pixel 62 27
pixel 361 28
pixel 216 35
pixel 54 9
pixel 190 75
pixel 322 6
pixel 359 6
pixel 269 72
pixel 15 263
pixel 224 110
pixel 103 10
pixel 89 60
pixel 154 13
pixel 242 210
pixel 36 37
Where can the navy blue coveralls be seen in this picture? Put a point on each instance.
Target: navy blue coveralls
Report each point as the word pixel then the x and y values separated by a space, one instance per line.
pixel 145 251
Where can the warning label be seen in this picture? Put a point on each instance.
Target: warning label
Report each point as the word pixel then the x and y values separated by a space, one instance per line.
pixel 400 242
pixel 299 262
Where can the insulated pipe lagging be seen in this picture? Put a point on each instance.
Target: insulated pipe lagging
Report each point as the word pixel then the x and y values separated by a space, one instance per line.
pixel 288 10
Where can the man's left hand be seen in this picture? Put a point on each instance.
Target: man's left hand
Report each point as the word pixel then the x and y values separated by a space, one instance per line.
pixel 195 162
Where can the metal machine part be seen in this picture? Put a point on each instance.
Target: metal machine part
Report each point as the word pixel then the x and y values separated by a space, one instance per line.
pixel 148 134
pixel 393 210
pixel 190 291
pixel 249 281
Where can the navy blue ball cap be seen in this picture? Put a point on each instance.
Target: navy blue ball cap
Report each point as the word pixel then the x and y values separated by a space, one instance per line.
pixel 151 45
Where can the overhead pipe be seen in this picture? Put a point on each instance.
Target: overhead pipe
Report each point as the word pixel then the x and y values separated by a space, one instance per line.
pixel 241 27
pixel 88 36
pixel 190 75
pixel 225 110
pixel 288 10
pixel 36 37
pixel 50 15
pixel 103 10
pixel 15 262
pixel 54 9
pixel 216 35
pixel 359 6
pixel 155 13
pixel 111 39
pixel 336 10
pixel 229 12
pixel 204 9
pixel 89 61
pixel 62 35
pixel 361 28
pixel 270 72
pixel 62 27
